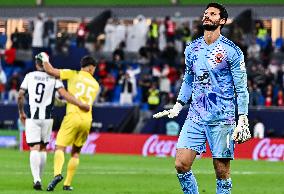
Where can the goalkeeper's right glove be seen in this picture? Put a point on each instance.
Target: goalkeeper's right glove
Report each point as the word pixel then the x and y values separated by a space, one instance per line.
pixel 170 113
pixel 44 57
pixel 241 133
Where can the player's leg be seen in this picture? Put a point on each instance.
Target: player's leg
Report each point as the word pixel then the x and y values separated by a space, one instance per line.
pixel 222 170
pixel 81 137
pixel 43 157
pixel 46 128
pixel 183 163
pixel 35 165
pixel 58 164
pixel 222 148
pixel 71 167
pixel 65 137
pixel 59 160
pixel 191 141
pixel 33 139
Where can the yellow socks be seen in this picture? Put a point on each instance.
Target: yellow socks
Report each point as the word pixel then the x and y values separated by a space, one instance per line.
pixel 71 168
pixel 58 162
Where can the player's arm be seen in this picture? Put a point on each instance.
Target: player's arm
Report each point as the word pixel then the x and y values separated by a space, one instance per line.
pixel 239 74
pixel 241 133
pixel 184 93
pixel 48 67
pixel 71 99
pixel 21 99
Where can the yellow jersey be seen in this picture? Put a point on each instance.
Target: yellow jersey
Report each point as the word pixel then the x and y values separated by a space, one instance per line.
pixel 83 86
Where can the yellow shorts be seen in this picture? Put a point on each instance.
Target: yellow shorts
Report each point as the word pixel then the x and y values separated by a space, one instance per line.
pixel 73 131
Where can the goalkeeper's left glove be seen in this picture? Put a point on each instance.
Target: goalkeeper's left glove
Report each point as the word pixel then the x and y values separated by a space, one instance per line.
pixel 170 113
pixel 241 133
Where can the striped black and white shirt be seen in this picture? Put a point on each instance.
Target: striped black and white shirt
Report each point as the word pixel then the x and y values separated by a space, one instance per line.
pixel 41 89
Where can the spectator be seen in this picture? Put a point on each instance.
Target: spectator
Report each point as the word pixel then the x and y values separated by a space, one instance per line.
pixel 133 72
pixel 268 97
pixel 258 129
pixel 153 33
pixel 3 81
pixel 170 29
pixel 165 84
pixel 162 36
pixel 15 38
pixel 119 34
pixel 279 98
pixel 82 33
pixel 145 84
pixel 186 34
pixel 255 96
pixel 137 34
pixel 253 51
pixel 108 86
pixel 37 41
pixel 13 88
pixel 49 33
pixel 102 69
pixel 62 42
pixel 126 95
pixel 119 51
pixel 109 36
pixel 170 54
pixel 153 97
pixel 3 40
pixel 10 56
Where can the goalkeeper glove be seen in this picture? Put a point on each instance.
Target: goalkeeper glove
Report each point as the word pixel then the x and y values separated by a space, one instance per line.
pixel 241 133
pixel 170 113
pixel 43 57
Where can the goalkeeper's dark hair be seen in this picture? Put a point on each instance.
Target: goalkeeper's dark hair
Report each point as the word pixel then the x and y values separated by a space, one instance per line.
pixel 222 9
pixel 88 60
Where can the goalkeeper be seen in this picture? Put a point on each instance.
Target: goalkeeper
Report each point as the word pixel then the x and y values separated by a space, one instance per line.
pixel 215 79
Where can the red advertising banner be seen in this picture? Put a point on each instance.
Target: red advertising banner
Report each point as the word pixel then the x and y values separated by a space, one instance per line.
pixel 162 145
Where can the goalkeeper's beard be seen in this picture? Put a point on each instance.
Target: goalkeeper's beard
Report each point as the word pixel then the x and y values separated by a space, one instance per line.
pixel 210 27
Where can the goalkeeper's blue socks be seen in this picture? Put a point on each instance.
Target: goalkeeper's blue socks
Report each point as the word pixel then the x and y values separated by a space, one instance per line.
pixel 224 186
pixel 188 183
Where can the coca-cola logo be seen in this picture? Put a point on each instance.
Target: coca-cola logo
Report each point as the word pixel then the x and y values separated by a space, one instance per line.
pixel 158 147
pixel 269 151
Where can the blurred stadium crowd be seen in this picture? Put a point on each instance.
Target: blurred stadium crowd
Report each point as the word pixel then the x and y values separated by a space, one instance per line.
pixel 140 60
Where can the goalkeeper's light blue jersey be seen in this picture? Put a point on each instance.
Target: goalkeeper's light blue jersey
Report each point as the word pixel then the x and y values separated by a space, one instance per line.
pixel 216 80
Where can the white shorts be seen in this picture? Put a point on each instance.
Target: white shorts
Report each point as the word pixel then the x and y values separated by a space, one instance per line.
pixel 38 130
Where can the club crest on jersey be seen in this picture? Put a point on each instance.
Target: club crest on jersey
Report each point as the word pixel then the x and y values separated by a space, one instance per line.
pixel 219 57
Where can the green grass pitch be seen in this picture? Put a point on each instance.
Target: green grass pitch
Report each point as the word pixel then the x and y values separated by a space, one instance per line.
pixel 116 174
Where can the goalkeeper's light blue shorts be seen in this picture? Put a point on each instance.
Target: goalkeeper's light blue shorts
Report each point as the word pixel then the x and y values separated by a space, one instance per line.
pixel 194 135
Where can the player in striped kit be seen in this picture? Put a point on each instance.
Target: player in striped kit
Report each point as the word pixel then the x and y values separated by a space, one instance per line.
pixel 215 80
pixel 38 121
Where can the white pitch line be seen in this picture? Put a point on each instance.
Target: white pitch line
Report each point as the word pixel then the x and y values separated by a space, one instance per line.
pixel 149 172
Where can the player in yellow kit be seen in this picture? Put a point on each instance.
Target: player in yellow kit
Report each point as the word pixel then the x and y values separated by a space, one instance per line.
pixel 76 124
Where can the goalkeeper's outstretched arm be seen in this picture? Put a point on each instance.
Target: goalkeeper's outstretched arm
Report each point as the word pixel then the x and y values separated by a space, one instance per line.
pixel 48 67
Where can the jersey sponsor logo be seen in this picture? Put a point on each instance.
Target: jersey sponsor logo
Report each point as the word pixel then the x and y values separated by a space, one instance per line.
pixel 204 79
pixel 194 59
pixel 219 57
pixel 265 149
pixel 157 146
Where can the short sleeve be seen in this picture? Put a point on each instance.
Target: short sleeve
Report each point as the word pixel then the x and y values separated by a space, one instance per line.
pixel 66 74
pixel 58 84
pixel 24 84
